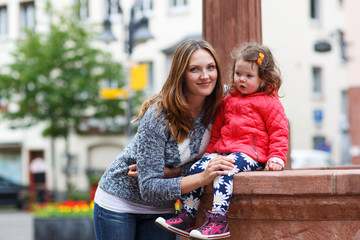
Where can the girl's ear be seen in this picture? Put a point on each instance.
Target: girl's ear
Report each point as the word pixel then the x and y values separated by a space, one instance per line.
pixel 262 84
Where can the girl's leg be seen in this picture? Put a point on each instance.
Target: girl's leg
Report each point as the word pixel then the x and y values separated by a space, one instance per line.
pixel 216 224
pixel 184 220
pixel 191 200
pixel 223 184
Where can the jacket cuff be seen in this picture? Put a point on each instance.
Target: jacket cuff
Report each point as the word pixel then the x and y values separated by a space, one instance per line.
pixel 278 161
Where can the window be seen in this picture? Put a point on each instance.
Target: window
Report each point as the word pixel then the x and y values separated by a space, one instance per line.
pixel 320 143
pixel 146 7
pixel 178 6
pixel 114 8
pixel 10 162
pixel 83 8
pixel 143 8
pixel 27 16
pixel 317 88
pixel 109 83
pixel 3 21
pixel 315 10
pixel 150 78
pixel 178 3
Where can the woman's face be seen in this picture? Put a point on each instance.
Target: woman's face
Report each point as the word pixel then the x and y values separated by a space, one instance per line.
pixel 246 78
pixel 200 76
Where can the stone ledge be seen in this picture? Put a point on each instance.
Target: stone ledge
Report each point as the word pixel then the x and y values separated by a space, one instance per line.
pixel 297 182
pixel 293 204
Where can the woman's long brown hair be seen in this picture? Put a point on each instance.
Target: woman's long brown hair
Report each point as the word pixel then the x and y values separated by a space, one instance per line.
pixel 171 100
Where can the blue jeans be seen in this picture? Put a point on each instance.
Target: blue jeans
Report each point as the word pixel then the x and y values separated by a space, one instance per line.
pixel 111 225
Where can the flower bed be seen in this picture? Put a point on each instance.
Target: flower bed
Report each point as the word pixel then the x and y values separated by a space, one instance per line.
pixel 64 221
pixel 69 209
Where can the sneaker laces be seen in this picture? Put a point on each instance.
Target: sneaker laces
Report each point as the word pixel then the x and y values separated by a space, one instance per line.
pixel 211 217
pixel 185 216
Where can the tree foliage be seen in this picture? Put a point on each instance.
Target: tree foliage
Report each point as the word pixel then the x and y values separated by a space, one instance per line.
pixel 55 78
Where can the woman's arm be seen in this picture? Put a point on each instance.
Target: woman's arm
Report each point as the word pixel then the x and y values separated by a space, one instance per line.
pixel 168 172
pixel 153 142
pixel 192 182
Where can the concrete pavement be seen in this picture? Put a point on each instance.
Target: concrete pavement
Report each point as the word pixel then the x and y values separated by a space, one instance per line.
pixel 16 225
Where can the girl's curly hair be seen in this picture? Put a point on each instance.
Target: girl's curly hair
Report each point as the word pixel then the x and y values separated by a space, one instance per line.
pixel 268 70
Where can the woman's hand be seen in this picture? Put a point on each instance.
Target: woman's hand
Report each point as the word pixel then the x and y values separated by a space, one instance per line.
pixel 206 177
pixel 168 172
pixel 132 171
pixel 273 166
pixel 216 167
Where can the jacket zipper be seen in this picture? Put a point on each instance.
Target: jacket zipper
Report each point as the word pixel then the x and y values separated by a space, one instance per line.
pixel 257 156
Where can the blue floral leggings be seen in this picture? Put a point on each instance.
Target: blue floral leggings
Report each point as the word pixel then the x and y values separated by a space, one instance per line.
pixel 223 184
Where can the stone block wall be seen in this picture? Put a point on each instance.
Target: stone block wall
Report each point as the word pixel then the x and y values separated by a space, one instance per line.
pixel 293 204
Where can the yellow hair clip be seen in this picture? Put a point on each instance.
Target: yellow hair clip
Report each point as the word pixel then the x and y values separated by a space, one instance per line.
pixel 261 57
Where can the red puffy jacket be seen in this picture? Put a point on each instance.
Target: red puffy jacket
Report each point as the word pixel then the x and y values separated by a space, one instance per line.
pixel 253 124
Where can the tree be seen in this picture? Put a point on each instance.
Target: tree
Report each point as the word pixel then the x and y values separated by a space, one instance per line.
pixel 55 78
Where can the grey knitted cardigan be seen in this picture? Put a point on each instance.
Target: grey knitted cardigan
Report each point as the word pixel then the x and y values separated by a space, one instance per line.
pixel 153 148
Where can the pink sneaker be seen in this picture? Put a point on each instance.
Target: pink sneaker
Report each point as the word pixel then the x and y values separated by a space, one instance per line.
pixel 182 223
pixel 215 227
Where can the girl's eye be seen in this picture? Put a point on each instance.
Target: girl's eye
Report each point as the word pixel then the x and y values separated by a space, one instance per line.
pixel 249 76
pixel 194 69
pixel 211 67
pixel 237 74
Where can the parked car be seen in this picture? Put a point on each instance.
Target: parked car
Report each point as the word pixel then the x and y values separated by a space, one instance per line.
pixel 309 158
pixel 12 193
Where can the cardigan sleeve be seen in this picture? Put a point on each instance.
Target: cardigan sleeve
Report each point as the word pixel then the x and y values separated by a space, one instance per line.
pixel 151 162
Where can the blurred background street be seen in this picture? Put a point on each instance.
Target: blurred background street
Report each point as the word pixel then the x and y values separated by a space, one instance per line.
pixel 15 224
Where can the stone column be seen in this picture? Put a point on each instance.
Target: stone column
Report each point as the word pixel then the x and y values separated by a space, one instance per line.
pixel 228 23
pixel 354 121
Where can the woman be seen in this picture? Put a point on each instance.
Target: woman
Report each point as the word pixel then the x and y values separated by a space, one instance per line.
pixel 174 130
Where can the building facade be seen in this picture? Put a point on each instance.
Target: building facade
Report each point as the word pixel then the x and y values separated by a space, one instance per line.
pixel 315 81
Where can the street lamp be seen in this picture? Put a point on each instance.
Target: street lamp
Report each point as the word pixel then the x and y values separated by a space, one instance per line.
pixel 107 35
pixel 325 46
pixel 138 33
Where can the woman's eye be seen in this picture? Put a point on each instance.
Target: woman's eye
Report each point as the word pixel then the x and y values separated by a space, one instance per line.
pixel 211 67
pixel 193 69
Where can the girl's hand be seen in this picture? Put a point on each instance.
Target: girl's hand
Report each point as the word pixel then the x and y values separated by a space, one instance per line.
pixel 215 167
pixel 273 166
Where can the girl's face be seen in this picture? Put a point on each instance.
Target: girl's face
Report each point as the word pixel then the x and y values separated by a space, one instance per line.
pixel 200 76
pixel 246 78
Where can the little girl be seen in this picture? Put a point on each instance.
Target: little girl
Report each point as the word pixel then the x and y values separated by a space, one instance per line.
pixel 251 128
